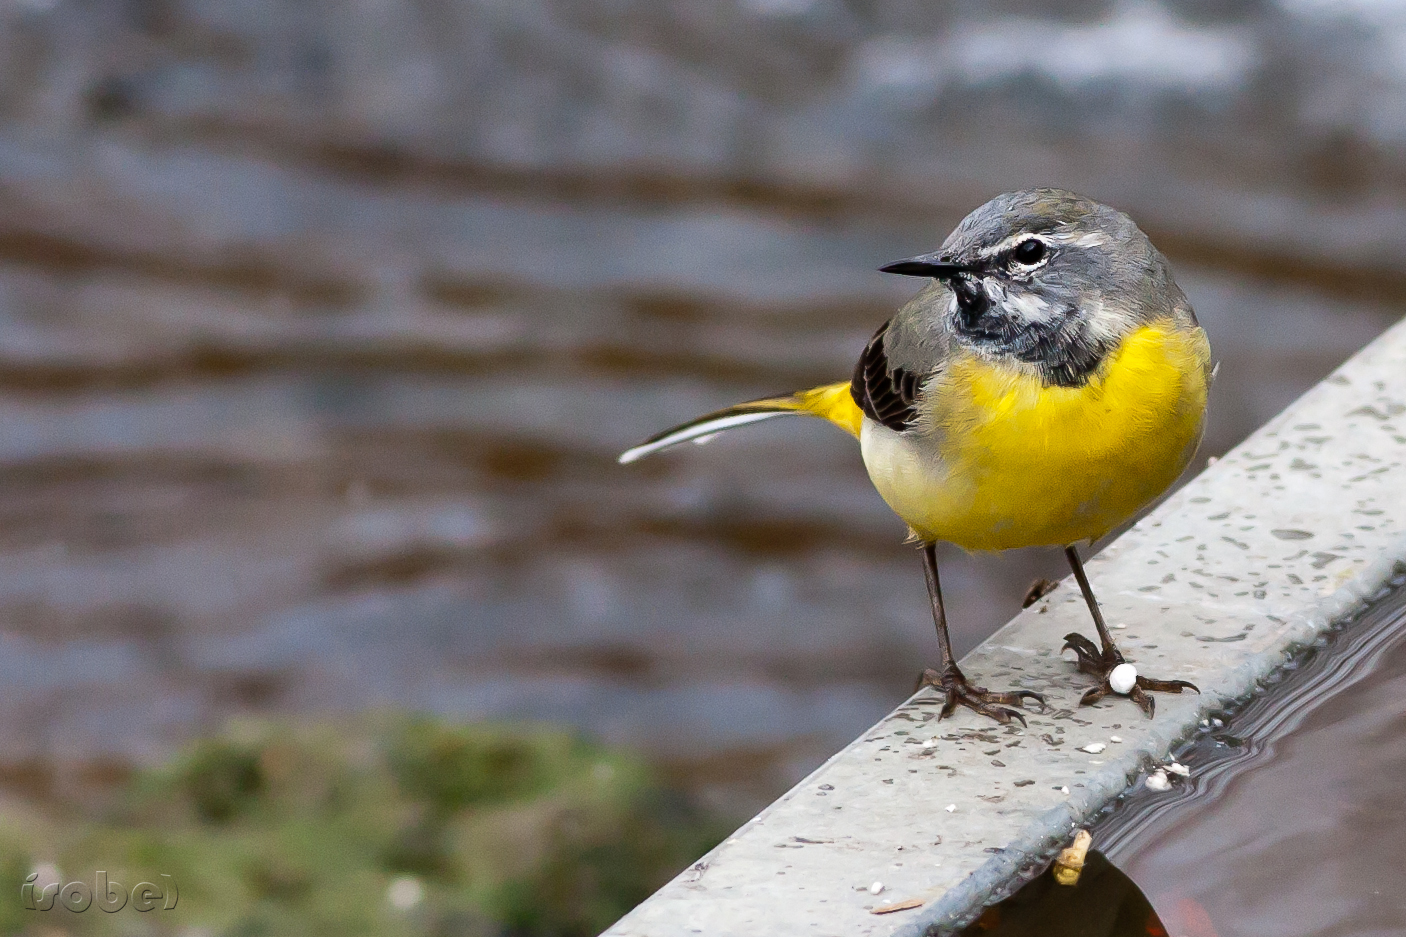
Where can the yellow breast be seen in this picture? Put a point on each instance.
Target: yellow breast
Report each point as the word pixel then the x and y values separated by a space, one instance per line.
pixel 1006 461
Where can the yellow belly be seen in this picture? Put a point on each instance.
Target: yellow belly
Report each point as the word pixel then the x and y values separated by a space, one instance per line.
pixel 1006 461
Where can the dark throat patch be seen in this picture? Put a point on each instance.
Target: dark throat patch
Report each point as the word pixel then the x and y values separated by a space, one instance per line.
pixel 1061 348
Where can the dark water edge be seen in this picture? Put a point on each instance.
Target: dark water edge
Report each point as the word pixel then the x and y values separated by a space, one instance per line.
pixel 1290 821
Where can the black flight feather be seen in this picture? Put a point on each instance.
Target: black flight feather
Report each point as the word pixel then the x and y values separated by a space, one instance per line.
pixel 886 395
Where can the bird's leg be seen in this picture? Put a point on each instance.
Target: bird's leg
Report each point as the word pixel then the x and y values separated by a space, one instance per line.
pixel 1100 662
pixel 949 679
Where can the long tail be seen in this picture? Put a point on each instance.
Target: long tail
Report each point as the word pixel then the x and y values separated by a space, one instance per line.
pixel 829 402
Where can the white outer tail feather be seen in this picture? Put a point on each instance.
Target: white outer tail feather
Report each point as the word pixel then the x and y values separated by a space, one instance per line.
pixel 698 432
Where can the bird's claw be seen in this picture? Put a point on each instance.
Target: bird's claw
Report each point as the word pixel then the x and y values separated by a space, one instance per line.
pixel 1100 663
pixel 958 692
pixel 1091 658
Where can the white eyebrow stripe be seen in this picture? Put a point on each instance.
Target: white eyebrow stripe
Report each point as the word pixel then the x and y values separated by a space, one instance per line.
pixel 1087 239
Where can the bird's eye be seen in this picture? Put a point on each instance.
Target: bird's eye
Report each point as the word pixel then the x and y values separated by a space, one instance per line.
pixel 1030 252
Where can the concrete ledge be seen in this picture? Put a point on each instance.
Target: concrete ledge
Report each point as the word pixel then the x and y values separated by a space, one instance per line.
pixel 1294 529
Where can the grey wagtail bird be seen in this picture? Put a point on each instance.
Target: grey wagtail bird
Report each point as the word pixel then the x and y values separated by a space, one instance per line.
pixel 1048 384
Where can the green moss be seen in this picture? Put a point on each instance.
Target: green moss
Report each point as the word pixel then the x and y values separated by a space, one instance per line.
pixel 15 864
pixel 282 829
pixel 596 865
pixel 454 767
pixel 221 779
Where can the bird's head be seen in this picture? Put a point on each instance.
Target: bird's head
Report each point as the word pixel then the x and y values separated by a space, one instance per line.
pixel 1048 277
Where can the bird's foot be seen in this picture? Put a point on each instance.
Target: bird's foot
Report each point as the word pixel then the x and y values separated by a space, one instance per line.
pixel 1102 663
pixel 957 691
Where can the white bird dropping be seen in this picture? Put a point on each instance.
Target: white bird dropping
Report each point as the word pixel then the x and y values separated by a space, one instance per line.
pixel 1157 781
pixel 1123 679
pixel 1093 748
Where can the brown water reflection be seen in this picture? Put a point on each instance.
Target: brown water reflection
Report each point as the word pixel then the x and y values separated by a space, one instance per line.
pixel 319 334
pixel 218 502
pixel 1103 903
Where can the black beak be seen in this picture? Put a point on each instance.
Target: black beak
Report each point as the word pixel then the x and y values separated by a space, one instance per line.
pixel 928 265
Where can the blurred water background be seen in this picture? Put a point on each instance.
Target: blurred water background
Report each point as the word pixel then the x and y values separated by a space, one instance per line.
pixel 322 323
